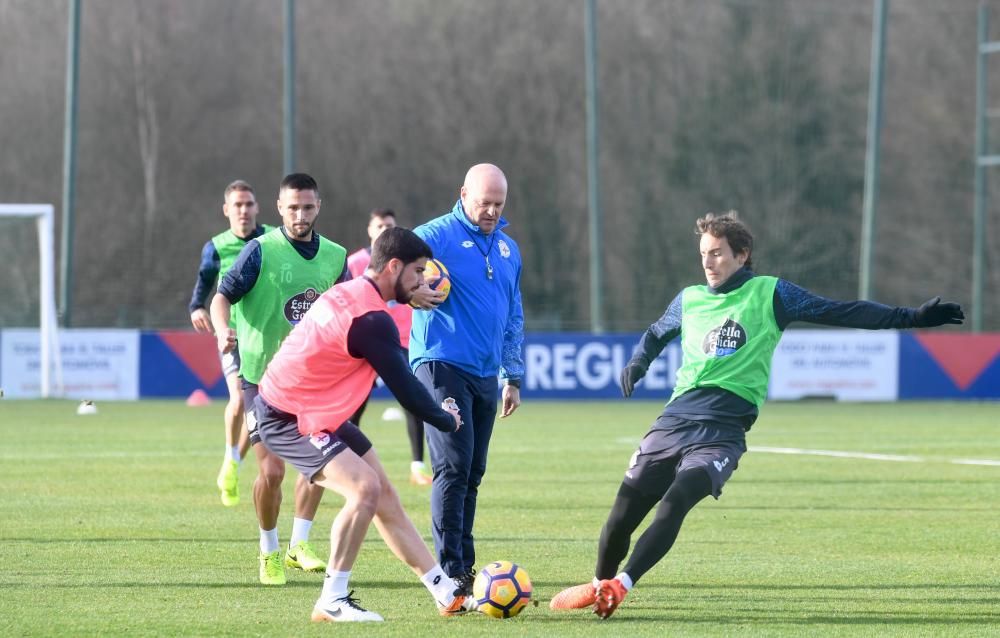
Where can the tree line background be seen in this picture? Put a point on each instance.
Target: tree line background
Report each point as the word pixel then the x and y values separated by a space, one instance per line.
pixel 757 105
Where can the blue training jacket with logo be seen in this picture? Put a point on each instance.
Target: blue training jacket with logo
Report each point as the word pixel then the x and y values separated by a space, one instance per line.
pixel 480 326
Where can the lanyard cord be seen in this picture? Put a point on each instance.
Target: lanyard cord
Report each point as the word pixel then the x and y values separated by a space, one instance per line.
pixel 486 253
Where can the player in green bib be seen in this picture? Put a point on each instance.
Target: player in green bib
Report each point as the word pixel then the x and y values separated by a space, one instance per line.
pixel 728 331
pixel 240 208
pixel 267 290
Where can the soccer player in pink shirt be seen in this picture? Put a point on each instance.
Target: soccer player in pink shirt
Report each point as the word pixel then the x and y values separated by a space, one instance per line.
pixel 320 375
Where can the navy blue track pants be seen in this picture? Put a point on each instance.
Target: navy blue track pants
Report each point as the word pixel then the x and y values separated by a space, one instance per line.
pixel 458 460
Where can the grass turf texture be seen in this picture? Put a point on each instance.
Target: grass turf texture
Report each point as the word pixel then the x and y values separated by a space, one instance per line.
pixel 112 526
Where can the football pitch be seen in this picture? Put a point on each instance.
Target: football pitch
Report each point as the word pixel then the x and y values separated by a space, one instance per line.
pixel 846 520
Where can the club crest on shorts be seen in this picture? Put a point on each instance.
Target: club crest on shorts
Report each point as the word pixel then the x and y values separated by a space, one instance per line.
pixel 319 440
pixel 724 340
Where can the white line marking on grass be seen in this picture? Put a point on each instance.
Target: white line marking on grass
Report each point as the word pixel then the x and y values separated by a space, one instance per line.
pixel 843 455
pixel 975 462
pixel 872 457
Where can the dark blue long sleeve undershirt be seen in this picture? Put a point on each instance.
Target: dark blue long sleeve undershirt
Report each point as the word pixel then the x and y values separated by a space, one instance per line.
pixel 791 303
pixel 374 336
pixel 242 276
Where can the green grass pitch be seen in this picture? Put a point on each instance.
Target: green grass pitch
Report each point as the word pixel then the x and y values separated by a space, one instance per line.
pixel 111 525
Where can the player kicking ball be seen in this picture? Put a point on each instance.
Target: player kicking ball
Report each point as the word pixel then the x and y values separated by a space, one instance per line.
pixel 321 374
pixel 728 330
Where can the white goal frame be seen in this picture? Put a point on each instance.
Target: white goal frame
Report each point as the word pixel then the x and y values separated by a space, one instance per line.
pixel 48 325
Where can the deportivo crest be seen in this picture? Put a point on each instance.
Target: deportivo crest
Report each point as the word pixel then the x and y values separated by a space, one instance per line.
pixel 297 306
pixel 319 440
pixel 504 249
pixel 724 340
pixel 467 244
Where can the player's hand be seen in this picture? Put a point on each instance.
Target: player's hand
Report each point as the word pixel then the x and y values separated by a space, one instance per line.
pixel 630 376
pixel 426 299
pixel 934 313
pixel 201 321
pixel 226 340
pixel 451 407
pixel 511 400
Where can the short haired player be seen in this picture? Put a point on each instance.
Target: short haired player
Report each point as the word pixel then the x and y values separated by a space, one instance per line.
pixel 728 331
pixel 320 375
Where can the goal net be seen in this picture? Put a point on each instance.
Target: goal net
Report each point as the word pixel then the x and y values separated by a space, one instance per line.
pixel 28 291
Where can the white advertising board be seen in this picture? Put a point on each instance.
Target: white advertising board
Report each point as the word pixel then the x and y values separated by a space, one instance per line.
pixel 846 365
pixel 96 364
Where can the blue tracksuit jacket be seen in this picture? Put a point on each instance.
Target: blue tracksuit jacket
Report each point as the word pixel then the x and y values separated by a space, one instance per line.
pixel 480 327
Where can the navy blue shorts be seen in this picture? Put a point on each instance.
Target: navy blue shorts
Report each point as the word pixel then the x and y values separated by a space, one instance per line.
pixel 665 452
pixel 279 432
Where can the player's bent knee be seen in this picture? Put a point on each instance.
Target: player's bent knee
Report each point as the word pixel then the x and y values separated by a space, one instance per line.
pixel 271 470
pixel 368 493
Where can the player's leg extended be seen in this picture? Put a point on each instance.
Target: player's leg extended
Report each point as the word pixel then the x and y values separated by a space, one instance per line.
pixel 702 469
pixel 650 473
pixel 401 536
pixel 627 512
pixel 688 489
pixel 395 526
pixel 352 478
pixel 641 489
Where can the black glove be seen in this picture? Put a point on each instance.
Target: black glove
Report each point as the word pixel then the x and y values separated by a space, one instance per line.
pixel 630 376
pixel 934 313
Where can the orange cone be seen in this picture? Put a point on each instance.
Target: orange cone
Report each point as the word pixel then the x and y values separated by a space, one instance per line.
pixel 198 398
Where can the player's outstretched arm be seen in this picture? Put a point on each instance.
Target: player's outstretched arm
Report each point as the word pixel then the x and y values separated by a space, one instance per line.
pixel 794 303
pixel 374 337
